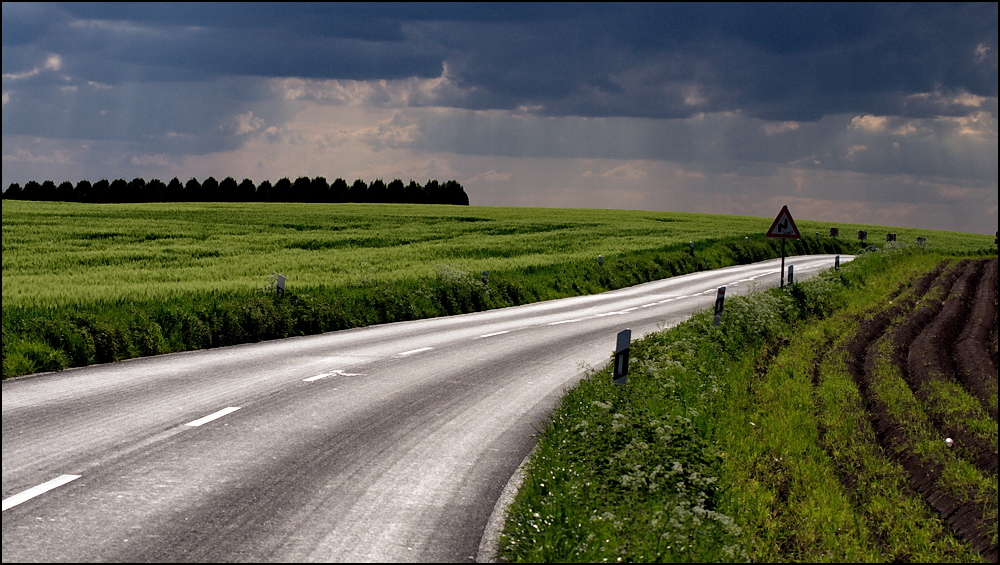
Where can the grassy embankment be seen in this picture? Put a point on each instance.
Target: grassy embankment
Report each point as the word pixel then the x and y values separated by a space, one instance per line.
pixel 86 283
pixel 757 441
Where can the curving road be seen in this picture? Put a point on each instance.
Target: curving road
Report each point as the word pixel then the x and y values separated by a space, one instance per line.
pixel 388 443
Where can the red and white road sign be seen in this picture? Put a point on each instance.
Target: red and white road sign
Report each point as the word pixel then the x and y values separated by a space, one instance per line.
pixel 784 226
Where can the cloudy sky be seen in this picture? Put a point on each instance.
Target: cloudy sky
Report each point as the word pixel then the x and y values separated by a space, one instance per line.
pixel 868 113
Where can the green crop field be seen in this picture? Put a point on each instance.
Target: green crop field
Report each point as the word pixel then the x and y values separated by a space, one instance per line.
pixel 85 283
pixel 57 254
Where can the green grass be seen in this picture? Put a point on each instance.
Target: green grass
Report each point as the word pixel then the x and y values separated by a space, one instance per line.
pixel 773 449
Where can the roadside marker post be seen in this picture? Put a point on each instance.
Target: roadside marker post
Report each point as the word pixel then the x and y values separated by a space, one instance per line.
pixel 621 357
pixel 600 260
pixel 720 300
pixel 279 286
pixel 486 277
pixel 783 227
pixel 691 246
pixel 836 263
pixel 791 278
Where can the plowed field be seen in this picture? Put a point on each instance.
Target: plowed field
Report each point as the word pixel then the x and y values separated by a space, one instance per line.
pixel 937 342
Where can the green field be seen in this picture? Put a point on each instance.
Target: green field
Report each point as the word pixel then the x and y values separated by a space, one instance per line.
pixel 57 254
pixel 86 283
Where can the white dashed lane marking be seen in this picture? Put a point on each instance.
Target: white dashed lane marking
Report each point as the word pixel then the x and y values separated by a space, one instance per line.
pixel 412 351
pixel 213 416
pixel 32 492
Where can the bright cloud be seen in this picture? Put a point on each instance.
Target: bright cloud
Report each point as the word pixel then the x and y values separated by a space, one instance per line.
pixel 246 123
pixel 400 93
pixel 52 63
pixel 869 122
pixel 771 128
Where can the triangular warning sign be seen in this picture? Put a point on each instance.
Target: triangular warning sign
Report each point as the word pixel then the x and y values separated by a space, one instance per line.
pixel 784 226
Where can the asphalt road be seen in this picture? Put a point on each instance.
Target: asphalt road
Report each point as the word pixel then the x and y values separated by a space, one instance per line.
pixel 388 443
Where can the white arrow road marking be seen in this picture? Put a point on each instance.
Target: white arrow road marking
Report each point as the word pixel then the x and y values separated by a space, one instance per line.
pixel 338 372
pixel 213 416
pixel 343 374
pixel 37 490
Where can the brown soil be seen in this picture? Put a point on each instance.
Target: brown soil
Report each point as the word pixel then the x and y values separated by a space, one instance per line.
pixel 949 337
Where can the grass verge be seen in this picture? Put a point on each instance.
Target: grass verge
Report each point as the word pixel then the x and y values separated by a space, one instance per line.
pixel 750 441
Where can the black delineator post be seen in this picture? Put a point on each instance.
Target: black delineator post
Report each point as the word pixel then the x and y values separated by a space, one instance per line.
pixel 279 286
pixel 720 300
pixel 621 357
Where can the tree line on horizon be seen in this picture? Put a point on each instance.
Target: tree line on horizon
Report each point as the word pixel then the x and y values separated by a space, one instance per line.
pixel 302 189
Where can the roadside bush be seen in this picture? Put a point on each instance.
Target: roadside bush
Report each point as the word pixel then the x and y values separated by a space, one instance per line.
pixel 145 336
pixel 33 357
pixel 74 340
pixel 110 339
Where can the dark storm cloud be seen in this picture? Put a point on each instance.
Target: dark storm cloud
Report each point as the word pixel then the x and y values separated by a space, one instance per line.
pixel 773 61
pixel 154 116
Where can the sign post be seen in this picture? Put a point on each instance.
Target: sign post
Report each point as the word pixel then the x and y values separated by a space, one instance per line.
pixel 621 357
pixel 783 227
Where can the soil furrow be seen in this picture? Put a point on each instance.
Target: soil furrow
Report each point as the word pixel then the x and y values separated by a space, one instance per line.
pixel 966 519
pixel 930 366
pixel 977 369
